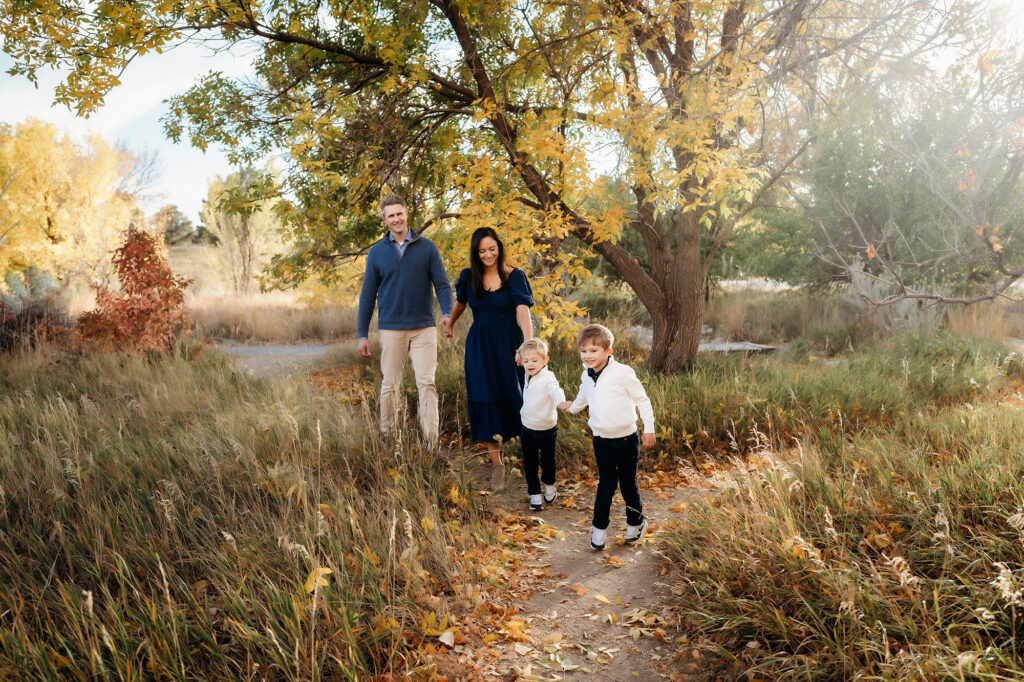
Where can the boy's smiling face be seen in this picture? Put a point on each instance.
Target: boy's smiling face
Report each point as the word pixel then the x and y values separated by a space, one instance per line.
pixel 594 356
pixel 533 362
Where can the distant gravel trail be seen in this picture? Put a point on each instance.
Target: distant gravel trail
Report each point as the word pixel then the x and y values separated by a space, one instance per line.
pixel 277 360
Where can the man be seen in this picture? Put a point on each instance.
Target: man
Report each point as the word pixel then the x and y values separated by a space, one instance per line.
pixel 400 269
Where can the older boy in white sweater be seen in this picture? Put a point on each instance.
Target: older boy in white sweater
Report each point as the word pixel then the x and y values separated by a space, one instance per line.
pixel 539 416
pixel 614 395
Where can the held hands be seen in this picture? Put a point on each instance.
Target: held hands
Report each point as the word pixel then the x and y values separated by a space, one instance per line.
pixel 448 326
pixel 649 440
pixel 564 407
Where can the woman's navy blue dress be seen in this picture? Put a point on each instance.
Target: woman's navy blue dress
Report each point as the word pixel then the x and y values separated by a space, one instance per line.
pixel 494 382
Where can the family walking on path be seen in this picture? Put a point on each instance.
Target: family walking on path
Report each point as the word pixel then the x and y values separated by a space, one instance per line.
pixel 510 391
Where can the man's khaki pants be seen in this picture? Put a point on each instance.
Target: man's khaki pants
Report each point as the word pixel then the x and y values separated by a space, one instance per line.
pixel 420 345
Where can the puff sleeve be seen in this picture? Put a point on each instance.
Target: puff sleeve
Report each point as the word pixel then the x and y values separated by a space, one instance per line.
pixel 519 288
pixel 462 286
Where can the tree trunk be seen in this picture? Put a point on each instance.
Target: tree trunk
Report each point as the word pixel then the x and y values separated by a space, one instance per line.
pixel 677 321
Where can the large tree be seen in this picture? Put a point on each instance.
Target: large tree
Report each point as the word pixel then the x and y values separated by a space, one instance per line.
pixel 243 223
pixel 914 184
pixel 497 112
pixel 62 203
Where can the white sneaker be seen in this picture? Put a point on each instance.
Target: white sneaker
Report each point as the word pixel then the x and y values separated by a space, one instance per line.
pixel 634 533
pixel 535 503
pixel 596 539
pixel 550 493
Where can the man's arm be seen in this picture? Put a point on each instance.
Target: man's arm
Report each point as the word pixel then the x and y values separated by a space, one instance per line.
pixel 367 301
pixel 442 285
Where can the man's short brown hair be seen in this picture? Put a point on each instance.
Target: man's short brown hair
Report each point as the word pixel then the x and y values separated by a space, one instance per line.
pixel 389 200
pixel 597 334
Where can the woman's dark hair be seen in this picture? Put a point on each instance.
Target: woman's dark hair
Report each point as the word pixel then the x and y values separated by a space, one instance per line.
pixel 476 266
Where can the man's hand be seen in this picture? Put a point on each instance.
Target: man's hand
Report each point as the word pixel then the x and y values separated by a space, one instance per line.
pixel 364 347
pixel 564 407
pixel 649 440
pixel 448 327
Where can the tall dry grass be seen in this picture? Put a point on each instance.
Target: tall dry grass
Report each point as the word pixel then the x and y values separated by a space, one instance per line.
pixel 890 551
pixel 279 316
pixel 166 517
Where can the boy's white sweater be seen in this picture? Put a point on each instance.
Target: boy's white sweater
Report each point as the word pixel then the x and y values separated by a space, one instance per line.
pixel 614 401
pixel 541 396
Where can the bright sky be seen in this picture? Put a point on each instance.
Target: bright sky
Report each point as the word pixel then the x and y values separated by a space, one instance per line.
pixel 132 115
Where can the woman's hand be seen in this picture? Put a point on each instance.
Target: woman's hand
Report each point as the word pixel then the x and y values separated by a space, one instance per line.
pixel 448 322
pixel 519 360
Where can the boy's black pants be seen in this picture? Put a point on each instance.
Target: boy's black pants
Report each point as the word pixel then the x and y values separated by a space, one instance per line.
pixel 617 460
pixel 538 449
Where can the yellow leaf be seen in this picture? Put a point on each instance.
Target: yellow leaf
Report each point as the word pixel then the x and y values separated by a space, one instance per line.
pixel 317 578
pixel 603 599
pixel 427 524
pixel 515 629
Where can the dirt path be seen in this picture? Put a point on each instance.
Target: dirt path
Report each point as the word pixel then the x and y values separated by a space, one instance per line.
pixel 595 615
pixel 276 360
pixel 584 614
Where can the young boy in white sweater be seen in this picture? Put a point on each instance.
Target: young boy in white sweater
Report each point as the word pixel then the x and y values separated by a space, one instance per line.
pixel 614 395
pixel 539 416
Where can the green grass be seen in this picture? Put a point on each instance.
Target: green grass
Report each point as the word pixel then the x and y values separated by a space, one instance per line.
pixel 161 517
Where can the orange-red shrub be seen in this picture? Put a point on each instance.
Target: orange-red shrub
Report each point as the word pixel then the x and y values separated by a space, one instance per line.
pixel 149 310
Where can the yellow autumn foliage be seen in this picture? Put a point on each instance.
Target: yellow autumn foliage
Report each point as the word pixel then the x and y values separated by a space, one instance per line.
pixel 62 203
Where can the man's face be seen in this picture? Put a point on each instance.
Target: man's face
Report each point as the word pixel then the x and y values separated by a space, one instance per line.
pixel 593 355
pixel 394 218
pixel 533 362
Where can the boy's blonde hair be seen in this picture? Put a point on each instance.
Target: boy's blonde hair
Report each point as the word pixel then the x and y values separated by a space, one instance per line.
pixel 534 346
pixel 597 334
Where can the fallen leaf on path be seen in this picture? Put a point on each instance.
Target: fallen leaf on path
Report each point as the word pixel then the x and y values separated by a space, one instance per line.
pixel 615 561
pixel 515 629
pixel 679 506
pixel 603 599
pixel 447 638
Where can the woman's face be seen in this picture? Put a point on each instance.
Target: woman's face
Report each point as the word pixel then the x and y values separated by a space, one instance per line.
pixel 488 252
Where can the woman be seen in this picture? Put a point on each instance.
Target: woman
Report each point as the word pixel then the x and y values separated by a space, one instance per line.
pixel 500 298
